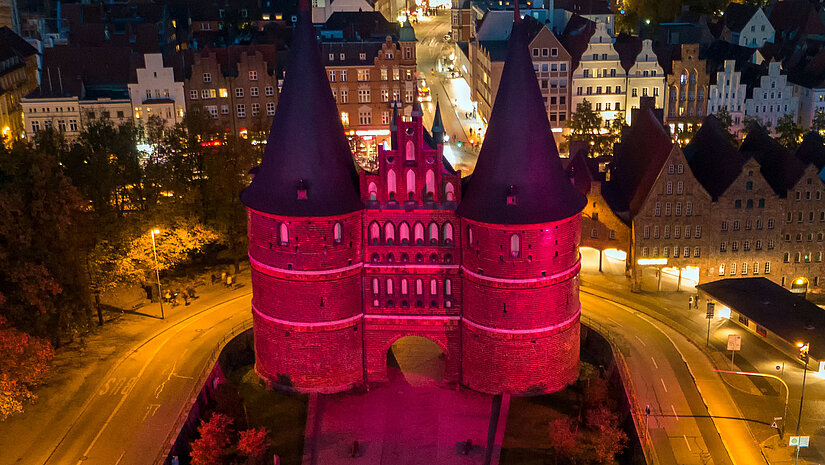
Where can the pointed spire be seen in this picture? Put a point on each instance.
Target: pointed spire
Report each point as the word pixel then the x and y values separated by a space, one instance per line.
pixel 394 127
pixel 516 12
pixel 417 112
pixel 307 168
pixel 519 178
pixel 438 126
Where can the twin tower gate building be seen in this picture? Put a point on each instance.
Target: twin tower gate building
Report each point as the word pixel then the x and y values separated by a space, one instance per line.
pixel 345 263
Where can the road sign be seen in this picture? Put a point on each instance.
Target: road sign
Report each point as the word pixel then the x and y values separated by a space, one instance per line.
pixel 799 441
pixel 711 307
pixel 774 425
pixel 734 342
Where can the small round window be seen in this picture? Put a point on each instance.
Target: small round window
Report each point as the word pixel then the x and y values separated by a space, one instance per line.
pixel 410 131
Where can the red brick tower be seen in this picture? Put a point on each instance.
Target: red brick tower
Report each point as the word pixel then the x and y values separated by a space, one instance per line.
pixel 304 224
pixel 520 260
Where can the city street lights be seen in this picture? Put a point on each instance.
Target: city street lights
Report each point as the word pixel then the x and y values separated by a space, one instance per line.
pixel 157 272
pixel 803 354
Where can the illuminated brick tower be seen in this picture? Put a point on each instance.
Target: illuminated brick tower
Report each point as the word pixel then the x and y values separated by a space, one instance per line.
pixel 520 219
pixel 304 225
pixel 345 264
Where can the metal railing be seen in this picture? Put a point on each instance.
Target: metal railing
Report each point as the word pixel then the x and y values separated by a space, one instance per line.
pixel 200 381
pixel 636 410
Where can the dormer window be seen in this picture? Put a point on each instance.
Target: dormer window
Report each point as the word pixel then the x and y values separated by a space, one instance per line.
pixel 302 190
pixel 511 195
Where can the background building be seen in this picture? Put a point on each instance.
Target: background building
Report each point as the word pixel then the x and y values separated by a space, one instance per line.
pixel 18 74
pixel 156 88
pixel 687 89
pixel 237 86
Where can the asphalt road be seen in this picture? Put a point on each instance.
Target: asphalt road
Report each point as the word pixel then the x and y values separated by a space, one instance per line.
pixel 679 423
pixel 431 45
pixel 135 407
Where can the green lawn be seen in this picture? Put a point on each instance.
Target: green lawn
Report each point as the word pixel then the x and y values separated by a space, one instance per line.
pixel 283 413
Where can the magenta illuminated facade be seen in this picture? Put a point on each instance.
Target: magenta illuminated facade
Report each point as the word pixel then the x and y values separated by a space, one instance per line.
pixel 344 265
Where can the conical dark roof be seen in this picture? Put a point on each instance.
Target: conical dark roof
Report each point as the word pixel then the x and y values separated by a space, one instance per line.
pixel 519 178
pixel 812 150
pixel 306 149
pixel 712 157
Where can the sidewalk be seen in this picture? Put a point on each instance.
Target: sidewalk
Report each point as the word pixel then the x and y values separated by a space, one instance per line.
pixel 79 370
pixel 737 436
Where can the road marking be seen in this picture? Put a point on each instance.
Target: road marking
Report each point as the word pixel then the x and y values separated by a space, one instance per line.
pixel 640 340
pixel 121 457
pixel 151 408
pixel 687 442
pixel 180 327
pixel 654 362
pixel 674 412
pixel 663 384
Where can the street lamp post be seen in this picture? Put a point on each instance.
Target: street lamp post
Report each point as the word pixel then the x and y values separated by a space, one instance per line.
pixel 803 352
pixel 157 272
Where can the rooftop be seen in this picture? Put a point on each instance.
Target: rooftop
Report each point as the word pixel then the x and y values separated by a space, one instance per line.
pixel 784 313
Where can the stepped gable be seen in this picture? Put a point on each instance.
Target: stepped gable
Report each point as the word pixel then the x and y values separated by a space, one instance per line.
pixel 812 150
pixel 712 157
pixel 519 178
pixel 781 169
pixel 639 158
pixel 307 168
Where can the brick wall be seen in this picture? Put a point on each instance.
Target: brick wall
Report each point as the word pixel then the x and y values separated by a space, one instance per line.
pixel 527 364
pixel 310 245
pixel 325 359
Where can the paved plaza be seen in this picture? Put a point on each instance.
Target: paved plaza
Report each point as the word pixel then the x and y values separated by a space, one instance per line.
pixel 413 419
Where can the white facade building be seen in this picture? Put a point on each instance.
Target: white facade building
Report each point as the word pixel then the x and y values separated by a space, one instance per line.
pixel 70 115
pixel 773 98
pixel 756 33
pixel 811 101
pixel 156 91
pixel 728 92
pixel 600 78
pixel 645 78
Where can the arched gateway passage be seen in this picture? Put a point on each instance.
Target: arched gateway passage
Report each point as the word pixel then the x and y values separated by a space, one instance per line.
pixel 418 360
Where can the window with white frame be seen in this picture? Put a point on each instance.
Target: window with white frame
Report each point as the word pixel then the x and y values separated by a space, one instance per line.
pixel 193 94
pixel 207 77
pixel 239 92
pixel 256 109
pixel 269 91
pixel 253 75
pixel 270 109
pixel 253 91
pixel 241 109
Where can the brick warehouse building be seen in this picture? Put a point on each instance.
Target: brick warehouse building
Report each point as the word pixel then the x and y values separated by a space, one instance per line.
pixel 341 271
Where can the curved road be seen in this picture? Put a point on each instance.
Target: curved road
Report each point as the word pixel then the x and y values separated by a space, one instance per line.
pixel 129 417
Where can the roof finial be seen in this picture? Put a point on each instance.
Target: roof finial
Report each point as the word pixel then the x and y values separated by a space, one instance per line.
pixel 516 12
pixel 303 5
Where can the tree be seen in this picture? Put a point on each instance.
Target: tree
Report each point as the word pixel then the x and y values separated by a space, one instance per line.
pixel 103 164
pixel 214 437
pixel 128 256
pixel 727 122
pixel 789 134
pixel 42 279
pixel 227 174
pixel 253 443
pixel 586 126
pixel 606 438
pixel 818 122
pixel 564 439
pixel 24 362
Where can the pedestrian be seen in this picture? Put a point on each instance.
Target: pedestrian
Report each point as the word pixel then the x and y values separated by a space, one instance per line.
pixel 185 299
pixel 690 302
pixel 356 449
pixel 229 281
pixel 696 302
pixel 468 446
pixel 223 277
pixel 167 296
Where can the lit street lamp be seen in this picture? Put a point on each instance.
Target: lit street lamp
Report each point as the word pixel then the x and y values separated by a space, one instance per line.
pixel 803 354
pixel 157 273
